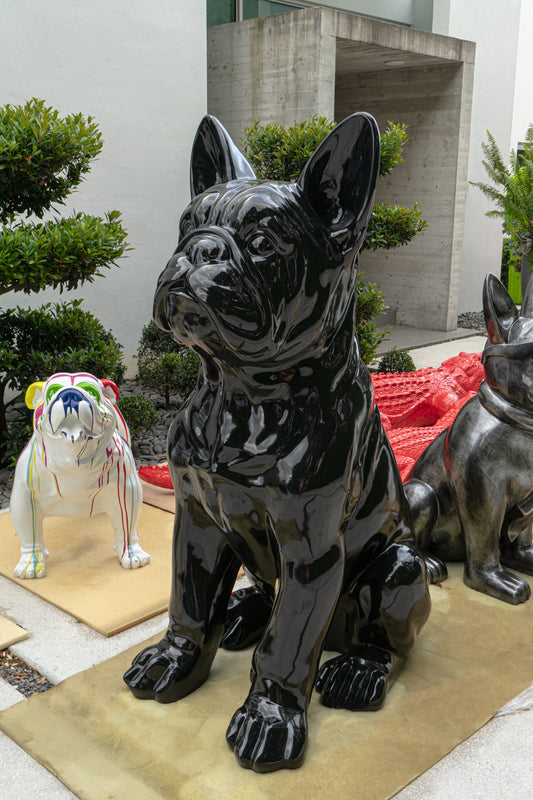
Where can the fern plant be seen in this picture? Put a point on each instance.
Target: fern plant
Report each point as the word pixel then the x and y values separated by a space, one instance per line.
pixel 512 195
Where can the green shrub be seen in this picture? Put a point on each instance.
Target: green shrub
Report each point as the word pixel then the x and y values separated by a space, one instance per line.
pixel 35 343
pixel 396 361
pixel 369 305
pixel 506 258
pixel 512 195
pixel 140 414
pixel 277 152
pixel 42 158
pixel 165 366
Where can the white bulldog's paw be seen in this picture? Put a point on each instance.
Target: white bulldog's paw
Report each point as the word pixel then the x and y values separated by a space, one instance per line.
pixel 134 557
pixel 31 565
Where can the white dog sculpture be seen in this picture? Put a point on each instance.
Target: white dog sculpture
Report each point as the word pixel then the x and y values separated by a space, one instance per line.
pixel 77 463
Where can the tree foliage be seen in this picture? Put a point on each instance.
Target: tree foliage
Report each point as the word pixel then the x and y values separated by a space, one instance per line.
pixel 512 194
pixel 43 157
pixel 165 366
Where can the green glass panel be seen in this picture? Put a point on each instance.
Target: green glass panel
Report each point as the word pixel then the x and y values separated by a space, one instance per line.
pixel 265 8
pixel 220 11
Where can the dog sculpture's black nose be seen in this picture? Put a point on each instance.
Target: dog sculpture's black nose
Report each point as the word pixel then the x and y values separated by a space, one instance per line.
pixel 206 250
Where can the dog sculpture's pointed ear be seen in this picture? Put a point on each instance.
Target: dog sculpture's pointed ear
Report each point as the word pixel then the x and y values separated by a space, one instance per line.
pixel 214 158
pixel 340 177
pixel 499 309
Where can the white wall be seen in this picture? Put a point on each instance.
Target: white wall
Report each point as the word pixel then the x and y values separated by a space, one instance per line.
pixel 523 103
pixel 494 26
pixel 139 68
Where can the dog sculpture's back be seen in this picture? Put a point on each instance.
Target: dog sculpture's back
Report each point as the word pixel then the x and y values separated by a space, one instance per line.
pixel 278 457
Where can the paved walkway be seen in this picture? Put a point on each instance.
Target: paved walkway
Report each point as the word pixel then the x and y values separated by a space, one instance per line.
pixel 494 763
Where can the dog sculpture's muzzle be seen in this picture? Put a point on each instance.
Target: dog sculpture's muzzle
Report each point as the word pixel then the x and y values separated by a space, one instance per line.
pixel 71 416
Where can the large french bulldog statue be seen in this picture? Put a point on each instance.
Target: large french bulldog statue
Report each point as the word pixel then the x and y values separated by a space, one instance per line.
pixel 471 490
pixel 77 463
pixel 278 458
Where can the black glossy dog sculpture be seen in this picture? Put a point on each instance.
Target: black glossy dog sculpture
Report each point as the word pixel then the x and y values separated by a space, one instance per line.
pixel 471 491
pixel 278 457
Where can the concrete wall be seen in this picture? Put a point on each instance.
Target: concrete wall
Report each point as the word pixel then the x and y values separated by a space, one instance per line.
pixel 420 281
pixel 315 61
pixel 139 69
pixel 274 69
pixel 494 26
pixel 523 95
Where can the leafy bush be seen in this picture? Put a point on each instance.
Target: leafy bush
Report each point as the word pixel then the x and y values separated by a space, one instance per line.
pixel 369 305
pixel 35 343
pixel 164 365
pixel 392 226
pixel 506 258
pixel 62 253
pixel 396 361
pixel 512 195
pixel 279 153
pixel 42 158
pixel 140 414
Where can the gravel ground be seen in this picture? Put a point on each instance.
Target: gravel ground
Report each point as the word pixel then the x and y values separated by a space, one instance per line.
pixel 472 319
pixel 25 679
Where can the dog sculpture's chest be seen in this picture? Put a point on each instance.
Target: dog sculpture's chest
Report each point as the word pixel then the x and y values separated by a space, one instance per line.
pixel 79 489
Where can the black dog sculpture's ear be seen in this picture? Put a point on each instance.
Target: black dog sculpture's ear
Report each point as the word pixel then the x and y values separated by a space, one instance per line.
pixel 214 157
pixel 340 177
pixel 499 309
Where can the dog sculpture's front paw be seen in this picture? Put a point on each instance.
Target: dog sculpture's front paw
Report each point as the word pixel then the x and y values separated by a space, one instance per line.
pixel 134 557
pixel 266 736
pixel 357 681
pixel 31 565
pixel 437 569
pixel 498 583
pixel 246 617
pixel 167 671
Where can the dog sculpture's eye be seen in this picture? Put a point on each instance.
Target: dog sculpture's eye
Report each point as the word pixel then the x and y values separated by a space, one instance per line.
pixel 52 389
pixel 259 245
pixel 90 389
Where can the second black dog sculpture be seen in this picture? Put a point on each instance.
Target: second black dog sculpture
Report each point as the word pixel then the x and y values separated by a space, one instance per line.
pixel 471 491
pixel 278 457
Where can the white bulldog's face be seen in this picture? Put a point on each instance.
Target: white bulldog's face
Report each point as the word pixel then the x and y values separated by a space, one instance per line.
pixel 75 416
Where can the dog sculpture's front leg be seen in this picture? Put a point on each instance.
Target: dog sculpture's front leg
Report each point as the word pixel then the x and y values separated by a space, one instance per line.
pixel 27 517
pixel 269 731
pixel 204 571
pixel 482 523
pixel 123 505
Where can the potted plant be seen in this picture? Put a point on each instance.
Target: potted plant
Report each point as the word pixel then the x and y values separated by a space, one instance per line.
pixel 513 197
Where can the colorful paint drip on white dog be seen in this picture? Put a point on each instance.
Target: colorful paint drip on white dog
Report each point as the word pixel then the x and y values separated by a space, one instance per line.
pixel 77 463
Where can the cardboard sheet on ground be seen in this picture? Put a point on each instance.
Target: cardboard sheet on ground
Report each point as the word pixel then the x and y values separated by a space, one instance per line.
pixel 84 577
pixel 473 656
pixel 10 633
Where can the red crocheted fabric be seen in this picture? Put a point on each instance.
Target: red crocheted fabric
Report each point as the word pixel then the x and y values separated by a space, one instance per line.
pixel 415 407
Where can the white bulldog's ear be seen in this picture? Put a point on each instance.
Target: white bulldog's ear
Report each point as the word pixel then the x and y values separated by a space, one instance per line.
pixel 110 390
pixel 34 394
